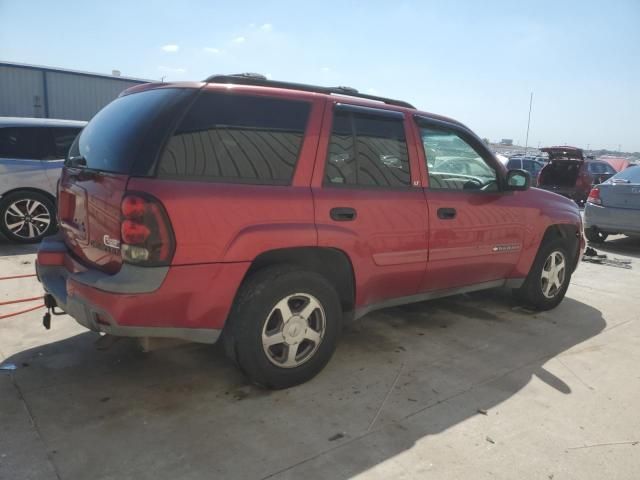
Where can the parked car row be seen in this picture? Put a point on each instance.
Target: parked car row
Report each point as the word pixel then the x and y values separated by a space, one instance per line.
pixel 32 152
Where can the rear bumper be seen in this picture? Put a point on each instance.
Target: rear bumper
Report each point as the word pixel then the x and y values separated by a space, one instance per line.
pixel 189 302
pixel 611 219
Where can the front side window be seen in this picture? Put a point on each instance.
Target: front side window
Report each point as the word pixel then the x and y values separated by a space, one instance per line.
pixel 237 139
pixel 453 164
pixel 19 142
pixel 367 150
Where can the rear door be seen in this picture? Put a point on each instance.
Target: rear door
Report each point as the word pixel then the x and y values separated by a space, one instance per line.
pixel 475 229
pixel 121 140
pixel 368 202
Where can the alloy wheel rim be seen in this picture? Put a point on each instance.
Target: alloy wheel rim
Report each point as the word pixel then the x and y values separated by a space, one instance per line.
pixel 553 274
pixel 27 218
pixel 293 330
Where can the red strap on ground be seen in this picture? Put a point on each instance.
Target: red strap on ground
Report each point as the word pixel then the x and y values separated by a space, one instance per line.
pixel 18 276
pixel 21 300
pixel 21 311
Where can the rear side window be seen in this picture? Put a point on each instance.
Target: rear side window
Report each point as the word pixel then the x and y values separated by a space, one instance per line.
pixel 125 136
pixel 17 142
pixel 367 150
pixel 237 139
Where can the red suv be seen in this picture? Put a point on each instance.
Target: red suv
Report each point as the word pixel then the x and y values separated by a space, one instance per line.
pixel 265 213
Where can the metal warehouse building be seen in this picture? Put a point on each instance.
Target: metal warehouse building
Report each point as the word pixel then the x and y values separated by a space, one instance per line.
pixel 35 91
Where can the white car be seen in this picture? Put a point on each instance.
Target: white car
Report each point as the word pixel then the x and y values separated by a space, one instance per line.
pixel 32 151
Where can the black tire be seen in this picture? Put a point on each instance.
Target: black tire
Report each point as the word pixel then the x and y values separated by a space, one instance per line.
pixel 27 233
pixel 594 235
pixel 531 292
pixel 253 308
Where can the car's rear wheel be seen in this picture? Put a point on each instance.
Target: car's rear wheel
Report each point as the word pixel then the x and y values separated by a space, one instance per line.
pixel 284 326
pixel 27 217
pixel 548 280
pixel 594 235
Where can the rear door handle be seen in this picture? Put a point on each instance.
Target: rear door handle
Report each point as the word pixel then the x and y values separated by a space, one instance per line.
pixel 446 213
pixel 343 214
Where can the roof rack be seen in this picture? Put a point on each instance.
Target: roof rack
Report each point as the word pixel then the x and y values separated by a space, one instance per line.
pixel 262 81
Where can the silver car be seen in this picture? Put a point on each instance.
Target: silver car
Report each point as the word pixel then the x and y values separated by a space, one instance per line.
pixel 614 206
pixel 32 151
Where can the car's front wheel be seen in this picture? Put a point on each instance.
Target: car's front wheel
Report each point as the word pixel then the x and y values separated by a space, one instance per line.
pixel 548 280
pixel 284 326
pixel 27 217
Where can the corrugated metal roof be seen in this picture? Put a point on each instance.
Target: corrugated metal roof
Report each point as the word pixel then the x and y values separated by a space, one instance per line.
pixel 75 72
pixel 39 122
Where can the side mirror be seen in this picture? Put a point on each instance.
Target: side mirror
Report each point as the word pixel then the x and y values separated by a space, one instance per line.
pixel 518 180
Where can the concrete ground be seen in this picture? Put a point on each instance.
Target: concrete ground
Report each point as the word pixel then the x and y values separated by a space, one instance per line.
pixel 466 387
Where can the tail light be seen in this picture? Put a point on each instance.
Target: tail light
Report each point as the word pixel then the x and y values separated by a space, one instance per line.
pixel 594 196
pixel 145 230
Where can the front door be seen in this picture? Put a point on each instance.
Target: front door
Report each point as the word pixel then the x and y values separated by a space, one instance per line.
pixel 475 231
pixel 368 200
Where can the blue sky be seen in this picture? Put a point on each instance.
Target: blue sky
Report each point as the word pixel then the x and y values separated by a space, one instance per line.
pixel 474 61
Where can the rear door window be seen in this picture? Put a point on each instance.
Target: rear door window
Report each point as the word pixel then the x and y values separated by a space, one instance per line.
pixel 367 150
pixel 237 139
pixel 19 142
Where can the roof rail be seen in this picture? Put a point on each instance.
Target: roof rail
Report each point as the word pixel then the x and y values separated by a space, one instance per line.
pixel 262 81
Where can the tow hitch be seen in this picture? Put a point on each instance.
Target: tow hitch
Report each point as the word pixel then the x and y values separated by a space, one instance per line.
pixel 50 304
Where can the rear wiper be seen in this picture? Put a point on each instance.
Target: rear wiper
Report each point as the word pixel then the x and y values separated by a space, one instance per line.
pixel 78 161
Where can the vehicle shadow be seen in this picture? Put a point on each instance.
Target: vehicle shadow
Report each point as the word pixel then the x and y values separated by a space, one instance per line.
pixel 398 376
pixel 619 245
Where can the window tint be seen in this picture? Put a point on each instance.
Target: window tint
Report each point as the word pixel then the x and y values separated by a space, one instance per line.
pixel 62 138
pixel 514 164
pixel 532 166
pixel 601 168
pixel 236 138
pixel 453 164
pixel 631 173
pixel 367 150
pixel 128 131
pixel 19 142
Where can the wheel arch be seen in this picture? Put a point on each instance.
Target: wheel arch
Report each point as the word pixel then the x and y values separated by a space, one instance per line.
pixel 334 264
pixel 563 231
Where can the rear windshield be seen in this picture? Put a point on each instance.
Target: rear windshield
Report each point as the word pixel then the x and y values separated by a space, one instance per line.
pixel 125 136
pixel 630 174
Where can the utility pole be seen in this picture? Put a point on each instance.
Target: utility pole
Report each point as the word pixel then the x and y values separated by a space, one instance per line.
pixel 526 142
